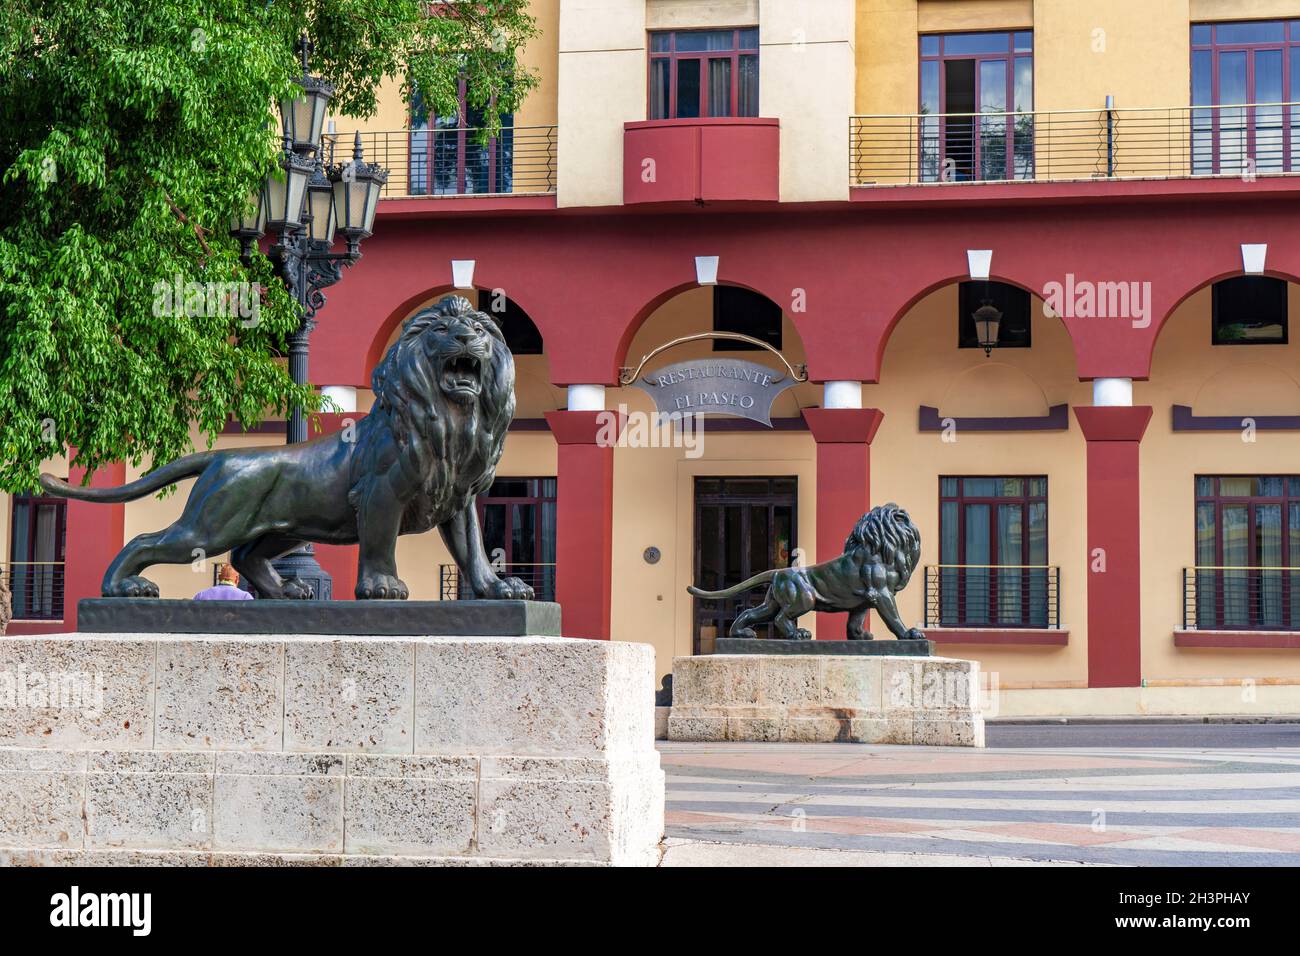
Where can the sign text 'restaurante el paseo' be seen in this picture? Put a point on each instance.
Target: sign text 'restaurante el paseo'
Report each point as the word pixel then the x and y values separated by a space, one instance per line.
pixel 716 386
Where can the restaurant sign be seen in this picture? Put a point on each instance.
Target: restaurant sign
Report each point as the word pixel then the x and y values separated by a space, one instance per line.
pixel 716 387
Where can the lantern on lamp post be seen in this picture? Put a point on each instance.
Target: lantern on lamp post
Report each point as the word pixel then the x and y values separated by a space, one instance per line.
pixel 304 205
pixel 988 321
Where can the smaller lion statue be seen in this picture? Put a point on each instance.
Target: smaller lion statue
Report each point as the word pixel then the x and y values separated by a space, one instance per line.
pixel 878 560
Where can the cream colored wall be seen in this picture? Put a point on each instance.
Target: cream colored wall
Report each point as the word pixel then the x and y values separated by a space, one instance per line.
pixel 923 366
pixel 692 15
pixel 1213 380
pixel 1139 52
pixel 806 76
pixel 602 85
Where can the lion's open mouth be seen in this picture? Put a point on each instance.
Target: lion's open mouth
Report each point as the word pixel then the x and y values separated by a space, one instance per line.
pixel 461 376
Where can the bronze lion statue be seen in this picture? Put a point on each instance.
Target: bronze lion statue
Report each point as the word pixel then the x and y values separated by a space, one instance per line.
pixel 444 397
pixel 878 560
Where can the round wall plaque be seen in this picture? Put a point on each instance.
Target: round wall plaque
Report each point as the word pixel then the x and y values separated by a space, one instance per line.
pixel 651 555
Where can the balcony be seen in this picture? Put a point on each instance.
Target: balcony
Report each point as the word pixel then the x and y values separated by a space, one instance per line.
pixel 541 577
pixel 995 604
pixel 701 160
pixel 1241 141
pixel 1241 599
pixel 518 160
pixel 35 589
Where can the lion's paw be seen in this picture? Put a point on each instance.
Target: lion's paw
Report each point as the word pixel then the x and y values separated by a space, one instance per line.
pixel 744 633
pixel 133 587
pixel 802 634
pixel 382 587
pixel 295 589
pixel 915 634
pixel 508 589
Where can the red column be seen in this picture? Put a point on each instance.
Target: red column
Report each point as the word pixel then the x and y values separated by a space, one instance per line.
pixel 340 560
pixel 94 536
pixel 584 535
pixel 843 437
pixel 1114 543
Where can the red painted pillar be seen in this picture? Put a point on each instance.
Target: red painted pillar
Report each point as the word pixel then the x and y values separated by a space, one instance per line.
pixel 339 560
pixel 584 534
pixel 843 437
pixel 1114 543
pixel 94 536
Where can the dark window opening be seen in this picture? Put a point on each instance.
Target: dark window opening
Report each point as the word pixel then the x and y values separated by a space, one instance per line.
pixel 989 77
pixel 747 312
pixel 993 553
pixel 1247 552
pixel 1249 310
pixel 1012 301
pixel 1236 67
pixel 448 158
pixel 696 73
pixel 36 552
pixel 522 336
pixel 517 517
pixel 743 525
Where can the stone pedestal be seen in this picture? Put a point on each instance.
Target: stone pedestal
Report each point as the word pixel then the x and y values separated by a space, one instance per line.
pixel 210 749
pixel 822 698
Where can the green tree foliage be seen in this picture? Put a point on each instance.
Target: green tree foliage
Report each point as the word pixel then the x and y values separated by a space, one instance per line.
pixel 130 131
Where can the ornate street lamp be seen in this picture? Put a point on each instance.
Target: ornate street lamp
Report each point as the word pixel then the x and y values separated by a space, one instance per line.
pixel 305 206
pixel 987 322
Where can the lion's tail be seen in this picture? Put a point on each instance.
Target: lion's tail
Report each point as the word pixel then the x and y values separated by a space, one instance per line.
pixel 740 588
pixel 168 474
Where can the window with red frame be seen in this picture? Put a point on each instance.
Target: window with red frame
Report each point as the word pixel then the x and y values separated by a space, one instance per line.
pixel 695 73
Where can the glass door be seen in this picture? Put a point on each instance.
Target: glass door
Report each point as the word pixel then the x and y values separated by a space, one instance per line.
pixel 743 526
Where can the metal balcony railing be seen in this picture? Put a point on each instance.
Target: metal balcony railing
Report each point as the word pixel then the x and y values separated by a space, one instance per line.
pixel 452 587
pixel 35 589
pixel 993 596
pixel 1220 598
pixel 1056 145
pixel 454 162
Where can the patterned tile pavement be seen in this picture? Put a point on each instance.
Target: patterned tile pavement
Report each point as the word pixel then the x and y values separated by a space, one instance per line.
pixel 1164 806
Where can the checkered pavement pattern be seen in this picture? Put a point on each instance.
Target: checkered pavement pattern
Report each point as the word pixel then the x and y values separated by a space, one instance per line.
pixel 1146 807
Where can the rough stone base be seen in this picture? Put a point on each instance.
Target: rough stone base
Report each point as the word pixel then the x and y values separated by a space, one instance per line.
pixel 205 750
pixel 875 700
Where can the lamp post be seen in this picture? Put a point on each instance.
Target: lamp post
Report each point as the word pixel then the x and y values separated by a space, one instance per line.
pixel 314 202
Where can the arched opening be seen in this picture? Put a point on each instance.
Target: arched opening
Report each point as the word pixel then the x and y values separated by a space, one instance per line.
pixel 976 444
pixel 741 494
pixel 1223 503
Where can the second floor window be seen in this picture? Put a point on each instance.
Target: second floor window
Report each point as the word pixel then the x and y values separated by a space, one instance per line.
pixel 695 73
pixel 1234 67
pixel 448 158
pixel 970 82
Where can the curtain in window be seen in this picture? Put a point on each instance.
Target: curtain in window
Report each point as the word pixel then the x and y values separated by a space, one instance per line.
pixel 1010 551
pixel 1268 533
pixel 949 582
pixel 659 82
pixel 1206 581
pixel 977 553
pixel 1236 554
pixel 719 87
pixel 747 87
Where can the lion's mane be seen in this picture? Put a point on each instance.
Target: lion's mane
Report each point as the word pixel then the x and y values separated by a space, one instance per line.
pixel 887 534
pixel 410 405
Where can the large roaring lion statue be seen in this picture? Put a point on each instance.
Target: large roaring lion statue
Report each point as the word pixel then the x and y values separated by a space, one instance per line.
pixel 878 560
pixel 444 397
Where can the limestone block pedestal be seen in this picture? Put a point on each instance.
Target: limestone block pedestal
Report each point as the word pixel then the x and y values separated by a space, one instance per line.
pixel 211 749
pixel 874 699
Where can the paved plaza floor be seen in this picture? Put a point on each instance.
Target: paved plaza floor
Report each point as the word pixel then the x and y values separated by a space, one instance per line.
pixel 1155 796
